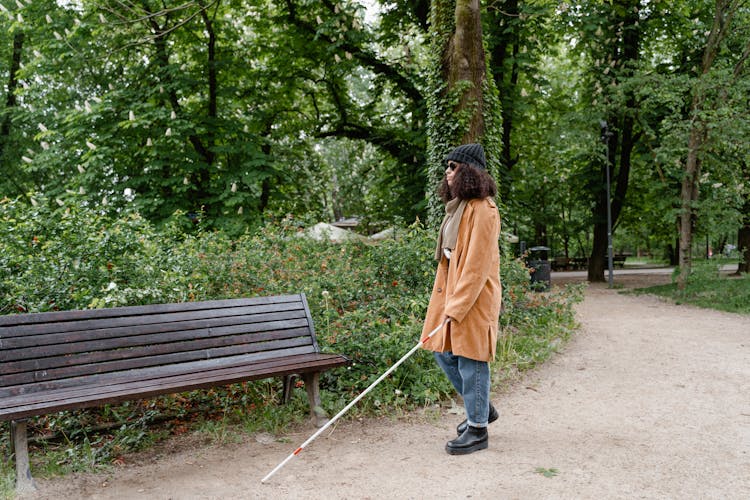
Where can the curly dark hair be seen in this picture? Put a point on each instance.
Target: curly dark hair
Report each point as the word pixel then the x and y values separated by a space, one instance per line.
pixel 468 182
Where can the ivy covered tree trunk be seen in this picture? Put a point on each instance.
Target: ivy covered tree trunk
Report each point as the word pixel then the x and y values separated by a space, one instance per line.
pixel 464 61
pixel 462 102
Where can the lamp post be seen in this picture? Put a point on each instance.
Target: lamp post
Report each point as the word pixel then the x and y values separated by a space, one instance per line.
pixel 610 264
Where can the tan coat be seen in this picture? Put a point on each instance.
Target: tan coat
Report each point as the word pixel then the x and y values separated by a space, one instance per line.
pixel 467 288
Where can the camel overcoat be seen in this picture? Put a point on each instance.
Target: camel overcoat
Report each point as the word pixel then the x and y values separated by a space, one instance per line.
pixel 467 287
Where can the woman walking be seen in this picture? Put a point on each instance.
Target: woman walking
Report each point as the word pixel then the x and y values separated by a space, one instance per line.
pixel 467 291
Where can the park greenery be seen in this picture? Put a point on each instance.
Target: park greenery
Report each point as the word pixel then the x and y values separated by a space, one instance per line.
pixel 238 111
pixel 709 287
pixel 367 298
pixel 174 151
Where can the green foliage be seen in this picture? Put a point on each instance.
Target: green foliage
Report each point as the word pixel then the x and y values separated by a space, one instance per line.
pixel 551 472
pixel 307 108
pixel 534 324
pixel 74 257
pixel 207 108
pixel 583 80
pixel 708 287
pixel 367 300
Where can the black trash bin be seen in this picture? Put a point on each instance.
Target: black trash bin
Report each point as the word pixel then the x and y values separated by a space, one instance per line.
pixel 538 260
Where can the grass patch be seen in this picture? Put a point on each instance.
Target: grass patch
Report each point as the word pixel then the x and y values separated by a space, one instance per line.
pixel 708 288
pixel 631 262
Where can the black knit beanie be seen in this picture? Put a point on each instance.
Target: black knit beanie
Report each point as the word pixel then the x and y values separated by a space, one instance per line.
pixel 469 153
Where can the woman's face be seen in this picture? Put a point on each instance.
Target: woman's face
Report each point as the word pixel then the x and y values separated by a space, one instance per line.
pixel 450 171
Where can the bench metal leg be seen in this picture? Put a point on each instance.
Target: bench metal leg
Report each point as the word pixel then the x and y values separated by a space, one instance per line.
pixel 312 384
pixel 20 448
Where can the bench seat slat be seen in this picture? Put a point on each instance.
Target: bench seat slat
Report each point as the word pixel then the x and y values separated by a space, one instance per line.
pixel 83 353
pixel 173 357
pixel 94 395
pixel 186 371
pixel 150 372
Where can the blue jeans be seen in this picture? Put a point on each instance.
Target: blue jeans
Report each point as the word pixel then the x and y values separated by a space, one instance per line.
pixel 471 379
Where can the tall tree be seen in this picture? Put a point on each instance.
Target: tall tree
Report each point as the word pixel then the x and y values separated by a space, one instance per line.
pixel 743 233
pixel 612 34
pixel 520 35
pixel 724 13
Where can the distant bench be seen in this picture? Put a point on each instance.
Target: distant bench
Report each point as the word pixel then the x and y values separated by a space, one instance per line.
pixel 77 359
pixel 618 261
pixel 576 263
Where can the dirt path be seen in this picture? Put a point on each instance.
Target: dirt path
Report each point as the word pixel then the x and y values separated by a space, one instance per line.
pixel 649 400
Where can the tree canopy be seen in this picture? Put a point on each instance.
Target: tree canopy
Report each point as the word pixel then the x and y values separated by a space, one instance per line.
pixel 233 112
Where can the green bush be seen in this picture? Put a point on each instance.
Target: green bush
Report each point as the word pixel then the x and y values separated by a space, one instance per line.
pixel 77 258
pixel 367 300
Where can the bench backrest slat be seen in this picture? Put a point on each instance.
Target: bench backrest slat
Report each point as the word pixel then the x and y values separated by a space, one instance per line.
pixel 119 337
pixel 38 330
pixel 48 347
pixel 203 340
pixel 130 363
pixel 62 316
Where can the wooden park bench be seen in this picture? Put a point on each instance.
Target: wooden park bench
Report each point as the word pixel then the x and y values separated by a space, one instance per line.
pixel 561 264
pixel 578 263
pixel 77 359
pixel 618 261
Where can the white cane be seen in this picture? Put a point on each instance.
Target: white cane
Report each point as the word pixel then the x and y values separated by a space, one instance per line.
pixel 347 407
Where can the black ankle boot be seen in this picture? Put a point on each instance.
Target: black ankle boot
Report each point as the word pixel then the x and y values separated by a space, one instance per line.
pixel 473 439
pixel 493 416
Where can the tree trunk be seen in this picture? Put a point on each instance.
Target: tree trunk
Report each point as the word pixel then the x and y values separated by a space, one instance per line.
pixel 688 198
pixel 597 261
pixel 204 185
pixel 507 48
pixel 201 179
pixel 465 61
pixel 10 103
pixel 673 252
pixel 265 185
pixel 743 239
pixel 600 247
pixel 620 140
pixel 743 243
pixel 10 99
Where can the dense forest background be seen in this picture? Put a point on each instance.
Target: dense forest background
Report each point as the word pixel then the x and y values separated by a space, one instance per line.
pixel 235 113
